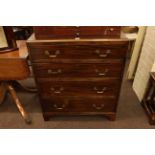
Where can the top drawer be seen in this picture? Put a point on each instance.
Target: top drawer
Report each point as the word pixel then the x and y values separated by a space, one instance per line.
pixel 60 32
pixel 54 53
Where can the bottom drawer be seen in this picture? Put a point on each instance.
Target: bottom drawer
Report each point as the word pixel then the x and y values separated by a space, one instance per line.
pixel 75 104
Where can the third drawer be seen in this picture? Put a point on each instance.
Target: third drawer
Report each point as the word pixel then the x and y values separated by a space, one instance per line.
pixel 106 87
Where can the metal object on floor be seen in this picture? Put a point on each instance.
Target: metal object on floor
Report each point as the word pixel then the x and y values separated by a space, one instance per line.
pixel 148 102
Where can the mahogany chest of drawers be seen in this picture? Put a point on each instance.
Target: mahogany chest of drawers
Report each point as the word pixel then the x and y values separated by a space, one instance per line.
pixel 78 77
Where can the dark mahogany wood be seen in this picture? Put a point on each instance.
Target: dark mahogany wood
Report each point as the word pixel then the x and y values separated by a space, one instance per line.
pixel 76 69
pixel 60 32
pixel 50 53
pixel 99 31
pixel 79 104
pixel 78 76
pixel 111 116
pixel 101 87
pixel 49 32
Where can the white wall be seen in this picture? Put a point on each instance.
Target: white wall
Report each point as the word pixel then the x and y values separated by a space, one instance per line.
pixel 146 61
pixel 153 67
pixel 136 53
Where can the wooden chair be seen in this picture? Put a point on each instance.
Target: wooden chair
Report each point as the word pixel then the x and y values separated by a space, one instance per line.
pixel 14 66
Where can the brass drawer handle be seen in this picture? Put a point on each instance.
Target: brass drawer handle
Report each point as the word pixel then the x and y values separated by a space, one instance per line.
pixel 98 107
pixel 59 107
pixel 111 29
pixel 100 91
pixel 104 55
pixel 108 51
pixel 77 34
pixel 58 71
pixel 104 73
pixel 106 31
pixel 57 90
pixel 57 52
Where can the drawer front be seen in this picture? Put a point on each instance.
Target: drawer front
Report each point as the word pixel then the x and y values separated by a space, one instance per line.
pixel 113 69
pixel 69 104
pixel 60 32
pixel 49 32
pixel 42 53
pixel 81 88
pixel 99 31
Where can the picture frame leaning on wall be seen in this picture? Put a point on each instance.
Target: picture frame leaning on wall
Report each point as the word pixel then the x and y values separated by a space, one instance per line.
pixel 7 39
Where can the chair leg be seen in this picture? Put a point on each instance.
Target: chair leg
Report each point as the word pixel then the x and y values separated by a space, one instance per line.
pixel 18 104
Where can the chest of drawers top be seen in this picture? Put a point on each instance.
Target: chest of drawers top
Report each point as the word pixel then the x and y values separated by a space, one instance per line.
pixel 33 41
pixel 60 32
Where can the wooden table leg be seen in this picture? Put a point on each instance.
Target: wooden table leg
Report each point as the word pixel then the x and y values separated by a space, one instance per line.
pixel 18 104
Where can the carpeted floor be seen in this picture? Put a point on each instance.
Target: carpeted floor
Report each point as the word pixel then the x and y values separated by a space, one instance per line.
pixel 130 114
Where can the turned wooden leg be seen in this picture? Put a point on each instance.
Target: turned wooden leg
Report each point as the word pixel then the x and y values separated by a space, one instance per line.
pixel 18 104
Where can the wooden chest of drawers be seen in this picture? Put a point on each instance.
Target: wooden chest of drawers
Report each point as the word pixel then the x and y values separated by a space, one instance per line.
pixel 78 77
pixel 60 32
